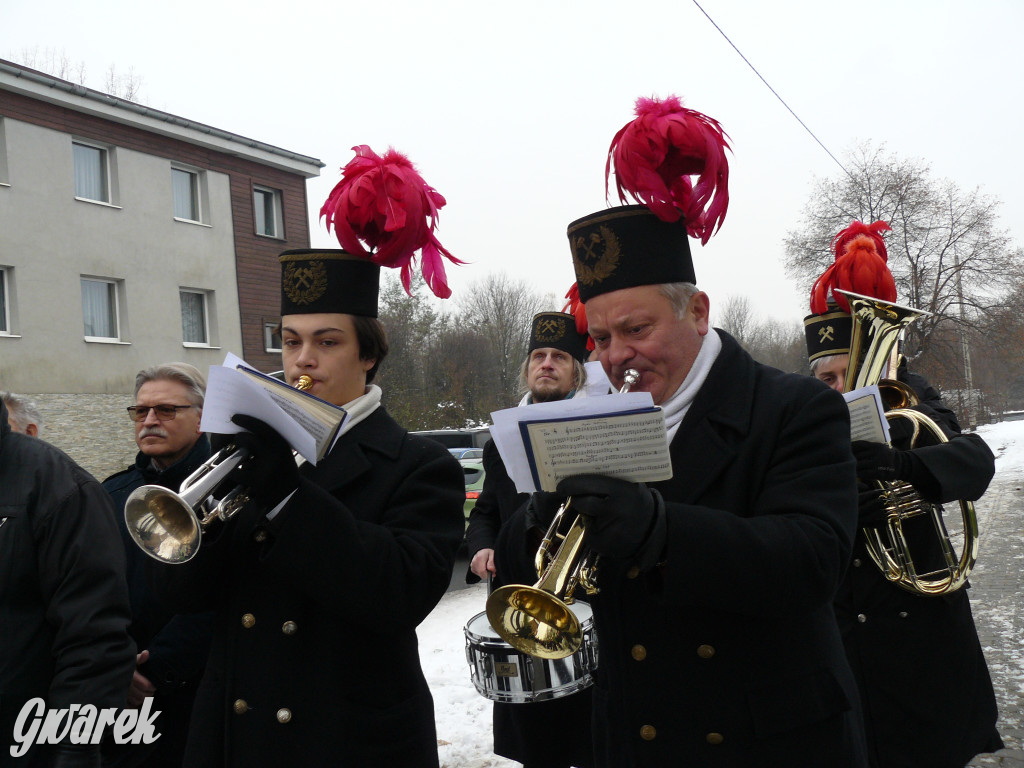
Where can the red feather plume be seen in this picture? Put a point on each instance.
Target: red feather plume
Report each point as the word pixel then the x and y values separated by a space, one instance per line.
pixel 655 156
pixel 860 267
pixel 575 308
pixel 383 209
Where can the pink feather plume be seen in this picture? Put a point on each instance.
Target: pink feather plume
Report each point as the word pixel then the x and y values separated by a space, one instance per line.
pixel 860 267
pixel 383 209
pixel 656 154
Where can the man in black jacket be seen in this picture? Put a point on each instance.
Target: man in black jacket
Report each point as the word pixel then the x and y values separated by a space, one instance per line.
pixel 172 648
pixel 320 581
pixel 924 683
pixel 540 733
pixel 63 599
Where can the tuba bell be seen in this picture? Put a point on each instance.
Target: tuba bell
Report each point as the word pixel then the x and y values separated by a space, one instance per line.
pixel 537 620
pixel 877 326
pixel 168 526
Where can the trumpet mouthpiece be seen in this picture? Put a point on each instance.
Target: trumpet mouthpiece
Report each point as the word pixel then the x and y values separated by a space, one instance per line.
pixel 304 382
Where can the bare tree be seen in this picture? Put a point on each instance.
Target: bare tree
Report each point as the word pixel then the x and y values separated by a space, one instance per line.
pixel 501 311
pixel 946 251
pixel 737 319
pixel 124 86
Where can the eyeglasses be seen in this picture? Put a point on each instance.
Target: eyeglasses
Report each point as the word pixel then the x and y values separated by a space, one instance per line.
pixel 163 412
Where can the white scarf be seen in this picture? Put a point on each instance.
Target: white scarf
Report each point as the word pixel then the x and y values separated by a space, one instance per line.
pixel 360 408
pixel 675 407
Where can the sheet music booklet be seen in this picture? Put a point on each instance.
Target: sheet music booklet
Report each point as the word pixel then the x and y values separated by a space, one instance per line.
pixel 309 424
pixel 867 415
pixel 621 435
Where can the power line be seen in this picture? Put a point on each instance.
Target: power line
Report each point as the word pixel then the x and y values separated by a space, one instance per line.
pixel 783 102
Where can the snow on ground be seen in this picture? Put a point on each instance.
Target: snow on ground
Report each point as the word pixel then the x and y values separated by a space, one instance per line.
pixel 464 717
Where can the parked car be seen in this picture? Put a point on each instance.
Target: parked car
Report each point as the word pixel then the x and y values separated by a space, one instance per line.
pixel 473 469
pixel 467 453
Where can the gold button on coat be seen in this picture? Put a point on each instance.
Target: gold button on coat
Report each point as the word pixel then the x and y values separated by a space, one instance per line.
pixel 248 620
pixel 638 652
pixel 260 535
pixel 705 651
pixel 633 572
pixel 289 627
pixel 241 707
pixel 715 738
pixel 648 732
pixel 284 715
pixel 861 618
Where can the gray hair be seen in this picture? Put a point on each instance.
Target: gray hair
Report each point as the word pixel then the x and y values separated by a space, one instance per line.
pixel 183 373
pixel 679 295
pixel 21 412
pixel 822 361
pixel 579 375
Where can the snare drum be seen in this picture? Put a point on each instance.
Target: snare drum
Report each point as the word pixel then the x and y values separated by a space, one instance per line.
pixel 501 673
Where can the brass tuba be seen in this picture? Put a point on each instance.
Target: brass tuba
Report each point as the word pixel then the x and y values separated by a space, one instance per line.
pixel 168 526
pixel 537 620
pixel 877 326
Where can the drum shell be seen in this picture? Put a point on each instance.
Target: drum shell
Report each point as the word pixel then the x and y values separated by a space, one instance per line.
pixel 501 673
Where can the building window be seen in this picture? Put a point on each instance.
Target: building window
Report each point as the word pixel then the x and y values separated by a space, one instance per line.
pixel 272 336
pixel 99 309
pixel 185 185
pixel 194 325
pixel 91 177
pixel 5 318
pixel 267 204
pixel 4 177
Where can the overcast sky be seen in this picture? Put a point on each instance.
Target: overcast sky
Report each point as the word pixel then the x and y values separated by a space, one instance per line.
pixel 509 113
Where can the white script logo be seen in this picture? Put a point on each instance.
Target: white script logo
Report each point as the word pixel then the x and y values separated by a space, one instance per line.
pixel 81 725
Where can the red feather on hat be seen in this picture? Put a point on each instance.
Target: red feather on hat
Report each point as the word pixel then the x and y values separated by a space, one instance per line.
pixel 384 203
pixel 860 267
pixel 575 308
pixel 656 154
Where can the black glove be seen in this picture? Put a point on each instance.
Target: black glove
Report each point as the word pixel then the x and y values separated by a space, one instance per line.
pixel 67 755
pixel 623 520
pixel 270 472
pixel 870 507
pixel 877 461
pixel 541 509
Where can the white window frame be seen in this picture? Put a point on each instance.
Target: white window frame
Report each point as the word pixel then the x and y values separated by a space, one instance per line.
pixel 269 326
pixel 5 302
pixel 105 167
pixel 5 180
pixel 205 304
pixel 259 194
pixel 114 293
pixel 196 193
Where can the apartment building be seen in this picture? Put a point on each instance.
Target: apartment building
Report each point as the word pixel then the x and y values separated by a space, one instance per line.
pixel 130 236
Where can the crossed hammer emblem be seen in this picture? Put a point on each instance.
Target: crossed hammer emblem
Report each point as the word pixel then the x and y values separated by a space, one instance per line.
pixel 826 334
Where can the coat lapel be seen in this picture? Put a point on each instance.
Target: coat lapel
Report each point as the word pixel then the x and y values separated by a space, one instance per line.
pixel 348 460
pixel 717 422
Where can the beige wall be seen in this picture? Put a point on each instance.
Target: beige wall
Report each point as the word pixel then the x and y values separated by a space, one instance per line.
pixel 51 240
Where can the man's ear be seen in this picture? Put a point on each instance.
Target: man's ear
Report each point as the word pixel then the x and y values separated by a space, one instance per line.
pixel 32 430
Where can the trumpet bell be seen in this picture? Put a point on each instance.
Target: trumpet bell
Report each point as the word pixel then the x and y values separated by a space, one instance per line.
pixel 534 621
pixel 163 524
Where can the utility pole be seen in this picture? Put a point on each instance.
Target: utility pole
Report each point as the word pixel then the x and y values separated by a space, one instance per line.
pixel 972 411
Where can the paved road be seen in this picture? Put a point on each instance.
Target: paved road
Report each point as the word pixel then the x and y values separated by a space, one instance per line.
pixel 997 598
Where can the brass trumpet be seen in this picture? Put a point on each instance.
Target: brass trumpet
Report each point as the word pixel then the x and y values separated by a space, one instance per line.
pixel 168 526
pixel 537 620
pixel 877 326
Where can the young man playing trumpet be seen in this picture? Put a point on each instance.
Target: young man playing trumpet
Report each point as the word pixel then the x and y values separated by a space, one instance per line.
pixel 320 582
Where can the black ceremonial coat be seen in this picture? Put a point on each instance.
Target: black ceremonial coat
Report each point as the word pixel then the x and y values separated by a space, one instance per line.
pixel 498 500
pixel 925 686
pixel 314 656
pixel 729 655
